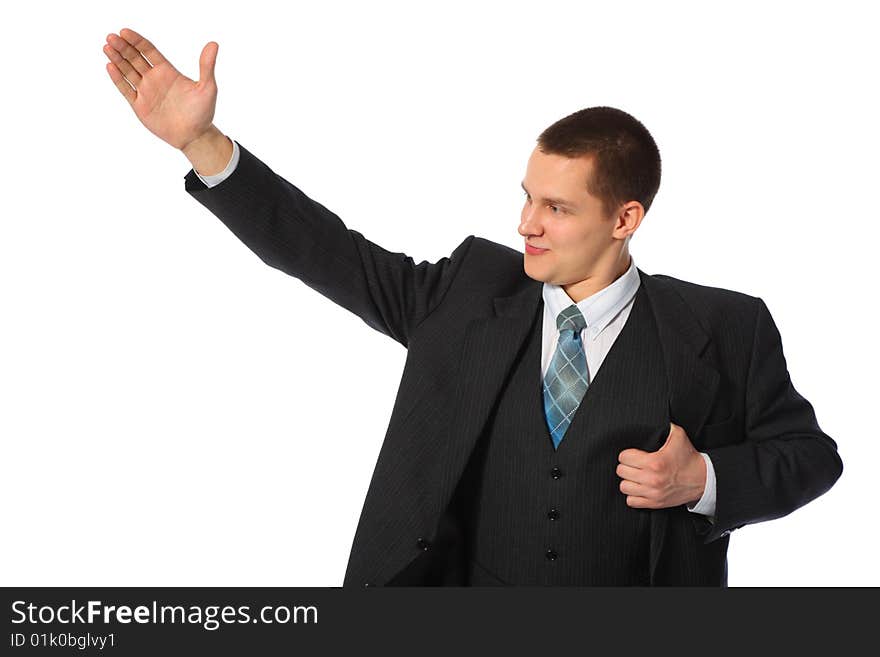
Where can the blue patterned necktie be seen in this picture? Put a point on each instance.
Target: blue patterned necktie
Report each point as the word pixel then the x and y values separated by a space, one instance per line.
pixel 566 379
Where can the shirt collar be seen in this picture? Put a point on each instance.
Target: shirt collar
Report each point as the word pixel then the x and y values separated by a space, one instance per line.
pixel 600 307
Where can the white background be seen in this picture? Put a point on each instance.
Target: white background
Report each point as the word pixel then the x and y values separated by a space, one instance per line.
pixel 162 418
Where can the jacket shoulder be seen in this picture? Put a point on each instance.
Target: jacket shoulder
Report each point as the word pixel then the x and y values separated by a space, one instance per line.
pixel 495 268
pixel 497 252
pixel 716 308
pixel 707 295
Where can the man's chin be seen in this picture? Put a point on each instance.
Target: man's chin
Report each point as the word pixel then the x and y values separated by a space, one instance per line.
pixel 536 274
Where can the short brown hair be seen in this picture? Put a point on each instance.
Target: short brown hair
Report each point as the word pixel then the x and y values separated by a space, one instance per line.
pixel 626 161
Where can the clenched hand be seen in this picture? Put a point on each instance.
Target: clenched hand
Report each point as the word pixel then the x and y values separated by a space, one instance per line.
pixel 675 474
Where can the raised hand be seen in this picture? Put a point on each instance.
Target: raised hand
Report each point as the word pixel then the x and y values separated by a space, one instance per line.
pixel 173 107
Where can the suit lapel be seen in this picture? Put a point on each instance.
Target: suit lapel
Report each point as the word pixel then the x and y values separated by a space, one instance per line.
pixel 690 366
pixel 488 354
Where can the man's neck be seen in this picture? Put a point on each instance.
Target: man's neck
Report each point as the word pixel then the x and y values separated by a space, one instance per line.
pixel 589 286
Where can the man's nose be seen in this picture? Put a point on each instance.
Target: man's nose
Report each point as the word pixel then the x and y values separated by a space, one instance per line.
pixel 529 224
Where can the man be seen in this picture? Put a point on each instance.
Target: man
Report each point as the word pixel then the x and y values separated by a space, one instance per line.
pixel 563 418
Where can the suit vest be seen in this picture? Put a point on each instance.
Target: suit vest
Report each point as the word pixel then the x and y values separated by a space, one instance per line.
pixel 534 515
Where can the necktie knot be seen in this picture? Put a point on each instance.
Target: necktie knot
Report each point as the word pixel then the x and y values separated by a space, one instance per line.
pixel 571 319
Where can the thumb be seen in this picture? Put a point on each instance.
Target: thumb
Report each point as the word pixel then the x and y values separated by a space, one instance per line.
pixel 668 436
pixel 207 60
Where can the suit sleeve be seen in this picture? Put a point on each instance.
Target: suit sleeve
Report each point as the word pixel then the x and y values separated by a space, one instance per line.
pixel 786 460
pixel 291 232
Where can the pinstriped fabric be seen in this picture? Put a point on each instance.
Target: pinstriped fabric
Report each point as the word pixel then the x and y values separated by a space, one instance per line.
pixel 566 380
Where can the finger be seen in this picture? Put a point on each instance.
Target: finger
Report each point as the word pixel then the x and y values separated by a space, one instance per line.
pixel 146 48
pixel 637 490
pixel 634 457
pixel 207 60
pixel 130 53
pixel 637 502
pixel 121 83
pixel 127 70
pixel 637 475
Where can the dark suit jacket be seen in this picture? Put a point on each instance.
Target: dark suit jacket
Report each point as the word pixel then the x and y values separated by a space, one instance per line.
pixel 463 319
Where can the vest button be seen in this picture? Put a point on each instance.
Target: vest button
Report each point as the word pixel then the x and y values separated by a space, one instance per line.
pixel 551 555
pixel 553 514
pixel 556 473
pixel 422 544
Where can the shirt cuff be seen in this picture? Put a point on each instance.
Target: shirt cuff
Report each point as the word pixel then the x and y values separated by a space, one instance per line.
pixel 217 178
pixel 706 504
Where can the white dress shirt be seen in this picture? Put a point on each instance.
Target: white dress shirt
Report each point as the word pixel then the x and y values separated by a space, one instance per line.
pixel 605 311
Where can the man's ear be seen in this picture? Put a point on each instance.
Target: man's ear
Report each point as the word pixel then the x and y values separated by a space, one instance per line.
pixel 628 219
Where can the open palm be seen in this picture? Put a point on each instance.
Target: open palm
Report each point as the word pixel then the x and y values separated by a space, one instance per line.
pixel 172 106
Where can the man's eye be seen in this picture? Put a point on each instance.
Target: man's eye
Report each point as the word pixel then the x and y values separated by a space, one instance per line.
pixel 556 209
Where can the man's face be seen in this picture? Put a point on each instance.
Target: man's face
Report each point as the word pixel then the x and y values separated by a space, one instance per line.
pixel 559 215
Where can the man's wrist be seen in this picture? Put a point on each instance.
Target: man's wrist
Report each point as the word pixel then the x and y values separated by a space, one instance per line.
pixel 210 153
pixel 700 476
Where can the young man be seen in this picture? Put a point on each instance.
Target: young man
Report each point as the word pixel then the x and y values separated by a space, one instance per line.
pixel 563 418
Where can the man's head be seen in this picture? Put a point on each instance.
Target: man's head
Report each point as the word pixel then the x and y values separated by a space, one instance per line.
pixel 588 184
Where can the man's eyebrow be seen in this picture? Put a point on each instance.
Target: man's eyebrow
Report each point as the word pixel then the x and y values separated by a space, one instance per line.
pixel 552 201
